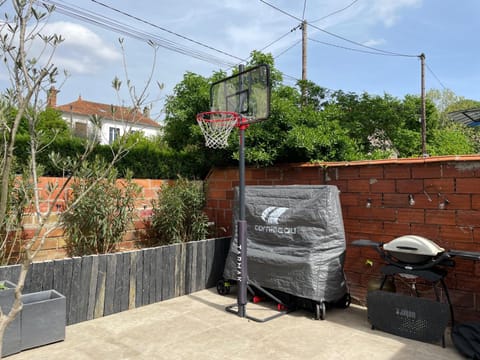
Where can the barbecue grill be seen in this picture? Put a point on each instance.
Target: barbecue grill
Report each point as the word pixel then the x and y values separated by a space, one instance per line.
pixel 413 256
pixel 413 252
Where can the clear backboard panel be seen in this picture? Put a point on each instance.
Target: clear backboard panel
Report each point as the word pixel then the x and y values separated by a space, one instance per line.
pixel 246 93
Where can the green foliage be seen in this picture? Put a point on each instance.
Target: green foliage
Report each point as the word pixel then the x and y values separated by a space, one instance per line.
pixel 453 139
pixel 97 220
pixel 191 96
pixel 51 124
pixel 12 228
pixel 307 123
pixel 296 133
pixel 66 146
pixel 462 104
pixel 259 58
pixel 177 215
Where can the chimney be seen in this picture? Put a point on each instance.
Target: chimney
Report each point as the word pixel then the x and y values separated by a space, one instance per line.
pixel 52 97
pixel 146 112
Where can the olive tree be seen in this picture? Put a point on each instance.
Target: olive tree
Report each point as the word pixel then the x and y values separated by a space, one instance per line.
pixel 30 75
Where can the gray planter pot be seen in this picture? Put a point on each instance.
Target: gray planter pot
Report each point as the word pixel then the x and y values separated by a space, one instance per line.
pixel 11 338
pixel 43 318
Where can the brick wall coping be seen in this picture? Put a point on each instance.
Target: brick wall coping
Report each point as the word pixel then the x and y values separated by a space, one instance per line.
pixel 431 159
pixel 405 161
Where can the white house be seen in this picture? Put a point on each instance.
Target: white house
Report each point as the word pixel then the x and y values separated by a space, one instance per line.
pixel 115 120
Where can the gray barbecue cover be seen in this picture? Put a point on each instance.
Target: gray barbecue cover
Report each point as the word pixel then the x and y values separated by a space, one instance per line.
pixel 295 240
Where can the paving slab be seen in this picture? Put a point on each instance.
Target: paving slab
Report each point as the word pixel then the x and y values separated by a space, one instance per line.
pixel 196 326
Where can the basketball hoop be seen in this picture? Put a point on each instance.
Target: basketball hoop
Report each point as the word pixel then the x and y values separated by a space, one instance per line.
pixel 237 101
pixel 216 127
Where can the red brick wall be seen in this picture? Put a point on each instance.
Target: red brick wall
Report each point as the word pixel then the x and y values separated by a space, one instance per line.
pixel 387 183
pixel 53 247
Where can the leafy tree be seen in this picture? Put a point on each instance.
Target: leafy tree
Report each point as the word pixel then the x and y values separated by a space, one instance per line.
pixel 463 104
pixel 385 123
pixel 51 124
pixel 452 139
pixel 309 123
pixel 178 213
pixel 259 58
pixel 442 99
pixel 98 222
pixel 296 133
pixel 191 96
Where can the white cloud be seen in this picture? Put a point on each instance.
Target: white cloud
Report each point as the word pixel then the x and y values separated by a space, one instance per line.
pixel 388 11
pixel 374 42
pixel 83 51
pixel 247 29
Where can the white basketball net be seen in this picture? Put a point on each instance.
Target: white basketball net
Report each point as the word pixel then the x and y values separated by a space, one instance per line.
pixel 216 127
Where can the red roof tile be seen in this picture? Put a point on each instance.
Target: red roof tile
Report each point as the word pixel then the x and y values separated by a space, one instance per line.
pixel 113 112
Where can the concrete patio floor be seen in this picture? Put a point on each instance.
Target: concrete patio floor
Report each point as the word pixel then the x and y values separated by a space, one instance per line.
pixel 197 326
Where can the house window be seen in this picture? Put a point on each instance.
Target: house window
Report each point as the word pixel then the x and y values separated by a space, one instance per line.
pixel 113 134
pixel 80 129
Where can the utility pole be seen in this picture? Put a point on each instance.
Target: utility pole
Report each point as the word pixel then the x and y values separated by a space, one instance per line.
pixel 304 60
pixel 304 50
pixel 423 118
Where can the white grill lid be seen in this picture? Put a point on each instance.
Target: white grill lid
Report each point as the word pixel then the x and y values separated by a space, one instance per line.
pixel 413 244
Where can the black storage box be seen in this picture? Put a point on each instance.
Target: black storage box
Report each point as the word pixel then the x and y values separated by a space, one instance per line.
pixel 408 316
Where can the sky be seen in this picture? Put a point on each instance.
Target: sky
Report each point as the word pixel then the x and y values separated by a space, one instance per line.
pixel 212 35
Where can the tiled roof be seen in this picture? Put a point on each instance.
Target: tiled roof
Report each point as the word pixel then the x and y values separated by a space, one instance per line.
pixel 112 112
pixel 469 117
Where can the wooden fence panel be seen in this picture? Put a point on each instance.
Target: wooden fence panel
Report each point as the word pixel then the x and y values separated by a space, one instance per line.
pixel 190 261
pixel 48 273
pixel 99 285
pixel 59 276
pixel 132 280
pixel 180 259
pixel 75 292
pixel 158 274
pixel 139 279
pixel 85 274
pixel 118 285
pixel 125 286
pixel 67 281
pixel 110 284
pixel 168 273
pixel 92 288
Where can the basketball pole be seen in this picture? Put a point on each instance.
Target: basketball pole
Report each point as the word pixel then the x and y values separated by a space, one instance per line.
pixel 242 223
pixel 242 228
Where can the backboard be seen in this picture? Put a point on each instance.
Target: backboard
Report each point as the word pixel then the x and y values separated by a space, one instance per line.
pixel 246 93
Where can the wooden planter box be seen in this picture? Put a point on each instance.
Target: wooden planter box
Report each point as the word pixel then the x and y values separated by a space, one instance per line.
pixel 43 318
pixel 100 285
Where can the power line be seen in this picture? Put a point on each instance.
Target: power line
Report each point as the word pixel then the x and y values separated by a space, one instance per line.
pixel 337 36
pixel 282 11
pixel 352 49
pixel 360 44
pixel 277 40
pixel 114 25
pixel 117 26
pixel 289 48
pixel 164 29
pixel 304 8
pixel 435 76
pixel 335 12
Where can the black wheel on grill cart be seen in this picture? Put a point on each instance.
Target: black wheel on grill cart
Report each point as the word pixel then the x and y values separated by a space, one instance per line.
pixel 223 287
pixel 344 302
pixel 320 310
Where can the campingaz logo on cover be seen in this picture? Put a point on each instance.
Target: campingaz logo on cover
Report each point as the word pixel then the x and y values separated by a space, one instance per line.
pixel 270 216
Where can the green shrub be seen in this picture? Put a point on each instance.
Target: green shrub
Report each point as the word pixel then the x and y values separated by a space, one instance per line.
pixel 177 214
pixel 97 221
